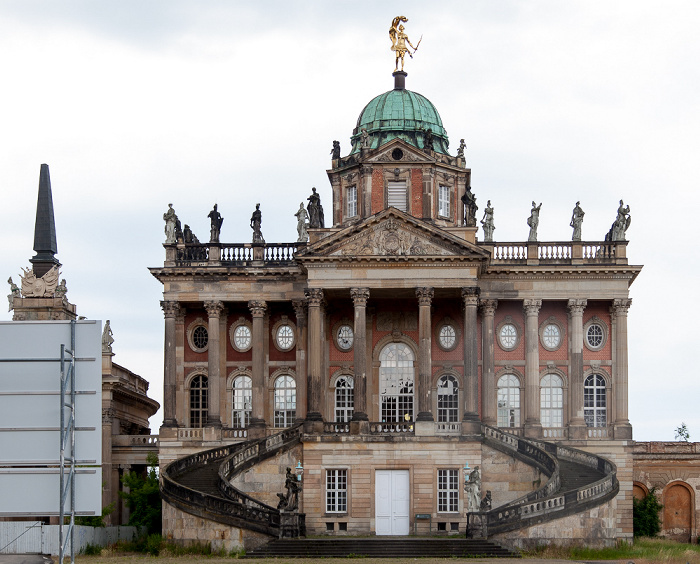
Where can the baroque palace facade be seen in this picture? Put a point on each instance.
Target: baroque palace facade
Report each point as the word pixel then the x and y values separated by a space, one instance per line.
pixel 393 353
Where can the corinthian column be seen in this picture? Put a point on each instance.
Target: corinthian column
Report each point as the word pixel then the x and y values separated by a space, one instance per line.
pixel 257 416
pixel 425 298
pixel 488 384
pixel 314 389
pixel 214 310
pixel 533 428
pixel 619 309
pixel 577 422
pixel 470 299
pixel 300 313
pixel 170 311
pixel 359 298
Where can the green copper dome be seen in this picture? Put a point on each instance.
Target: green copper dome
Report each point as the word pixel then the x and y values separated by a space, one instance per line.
pixel 403 114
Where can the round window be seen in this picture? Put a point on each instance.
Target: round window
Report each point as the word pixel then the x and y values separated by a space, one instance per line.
pixel 200 337
pixel 508 336
pixel 447 337
pixel 595 336
pixel 285 337
pixel 242 337
pixel 345 337
pixel 551 336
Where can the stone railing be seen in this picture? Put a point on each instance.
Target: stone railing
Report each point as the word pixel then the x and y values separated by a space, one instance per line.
pixel 336 428
pixel 232 507
pixel 190 433
pixel 232 254
pixel 448 428
pixel 376 428
pixel 598 432
pixel 567 252
pixel 548 502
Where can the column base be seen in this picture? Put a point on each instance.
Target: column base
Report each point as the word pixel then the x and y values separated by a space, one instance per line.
pixel 313 427
pixel 470 416
pixel 425 416
pixel 424 428
pixel 170 422
pixel 214 422
pixel 167 433
pixel 257 428
pixel 472 427
pixel 623 431
pixel 359 416
pixel 360 427
pixel 577 431
pixel 533 430
pixel 314 416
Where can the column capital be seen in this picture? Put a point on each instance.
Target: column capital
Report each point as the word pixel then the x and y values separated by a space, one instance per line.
pixel 470 295
pixel 532 307
pixel 299 309
pixel 620 307
pixel 576 307
pixel 170 309
pixel 214 308
pixel 425 295
pixel 314 296
pixel 359 296
pixel 257 307
pixel 488 307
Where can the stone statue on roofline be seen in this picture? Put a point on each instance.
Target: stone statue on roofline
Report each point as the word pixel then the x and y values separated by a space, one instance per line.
pixel 364 140
pixel 14 293
pixel 216 222
pixel 302 217
pixel 620 225
pixel 61 290
pixel 576 221
pixel 255 223
pixel 487 223
pixel 170 218
pixel 315 209
pixel 335 151
pixel 461 148
pixel 533 221
pixel 470 207
pixel 107 338
pixel 399 39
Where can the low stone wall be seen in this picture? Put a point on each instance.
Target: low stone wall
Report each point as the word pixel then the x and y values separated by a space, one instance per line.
pixel 506 477
pixel 596 528
pixel 184 529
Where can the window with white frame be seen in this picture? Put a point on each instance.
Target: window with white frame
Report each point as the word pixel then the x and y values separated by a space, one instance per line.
pixel 448 491
pixel 396 376
pixel 594 401
pixel 199 401
pixel 285 401
pixel 344 399
pixel 448 399
pixel 242 402
pixel 396 196
pixel 444 201
pixel 336 491
pixel 551 401
pixel 508 401
pixel 351 199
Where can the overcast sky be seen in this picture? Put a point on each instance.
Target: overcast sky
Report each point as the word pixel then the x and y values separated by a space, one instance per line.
pixel 138 104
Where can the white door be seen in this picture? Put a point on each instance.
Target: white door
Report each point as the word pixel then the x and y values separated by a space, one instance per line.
pixel 391 502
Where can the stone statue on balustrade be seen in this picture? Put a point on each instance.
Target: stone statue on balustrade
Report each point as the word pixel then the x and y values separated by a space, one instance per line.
pixel 107 338
pixel 576 221
pixel 472 489
pixel 460 149
pixel 189 236
pixel 620 225
pixel 170 218
pixel 315 209
pixel 61 290
pixel 290 500
pixel 216 222
pixel 487 222
pixel 302 217
pixel 470 207
pixel 14 293
pixel 255 222
pixel 533 221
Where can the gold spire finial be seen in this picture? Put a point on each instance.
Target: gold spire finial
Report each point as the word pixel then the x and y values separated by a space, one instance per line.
pixel 399 40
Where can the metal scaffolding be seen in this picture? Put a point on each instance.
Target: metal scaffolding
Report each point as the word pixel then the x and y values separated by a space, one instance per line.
pixel 67 456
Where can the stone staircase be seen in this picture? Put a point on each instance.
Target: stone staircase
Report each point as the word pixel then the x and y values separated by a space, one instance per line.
pixel 383 547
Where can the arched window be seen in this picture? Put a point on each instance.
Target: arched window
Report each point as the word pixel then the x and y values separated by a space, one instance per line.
pixel 344 399
pixel 199 400
pixel 447 399
pixel 242 401
pixel 285 401
pixel 551 401
pixel 396 375
pixel 594 401
pixel 508 401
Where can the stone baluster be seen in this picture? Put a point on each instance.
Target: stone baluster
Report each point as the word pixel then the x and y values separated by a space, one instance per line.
pixel 619 309
pixel 359 297
pixel 315 388
pixel 170 311
pixel 425 298
pixel 214 310
pixel 577 423
pixel 488 378
pixel 257 416
pixel 533 428
pixel 300 312
pixel 470 300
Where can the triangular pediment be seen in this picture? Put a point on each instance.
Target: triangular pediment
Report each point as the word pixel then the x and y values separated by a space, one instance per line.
pixel 392 235
pixel 408 153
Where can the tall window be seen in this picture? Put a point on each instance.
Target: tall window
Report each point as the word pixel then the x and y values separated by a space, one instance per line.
pixel 336 491
pixel 285 401
pixel 594 401
pixel 396 196
pixel 242 402
pixel 351 194
pixel 551 401
pixel 444 201
pixel 344 399
pixel 508 401
pixel 396 376
pixel 448 492
pixel 199 401
pixel 448 399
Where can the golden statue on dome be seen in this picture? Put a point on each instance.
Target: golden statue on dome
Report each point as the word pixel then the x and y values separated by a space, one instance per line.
pixel 399 40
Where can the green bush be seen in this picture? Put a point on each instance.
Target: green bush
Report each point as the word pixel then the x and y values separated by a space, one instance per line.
pixel 143 498
pixel 646 520
pixel 92 549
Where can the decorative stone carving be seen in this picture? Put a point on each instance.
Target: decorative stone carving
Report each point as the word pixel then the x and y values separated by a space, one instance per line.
pixel 315 209
pixel 533 221
pixel 335 151
pixel 44 287
pixel 576 307
pixel 470 207
pixel 107 338
pixel 170 218
pixel 290 500
pixel 108 414
pixel 61 290
pixel 391 238
pixel 425 295
pixel 576 221
pixel 620 307
pixel 257 307
pixel 486 502
pixel 620 225
pixel 470 296
pixel 170 309
pixel 314 296
pixel 472 489
pixel 216 222
pixel 460 149
pixel 364 140
pixel 359 296
pixel 299 311
pixel 255 222
pixel 302 224
pixel 532 307
pixel 488 307
pixel 487 222
pixel 214 308
pixel 14 293
pixel 188 236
